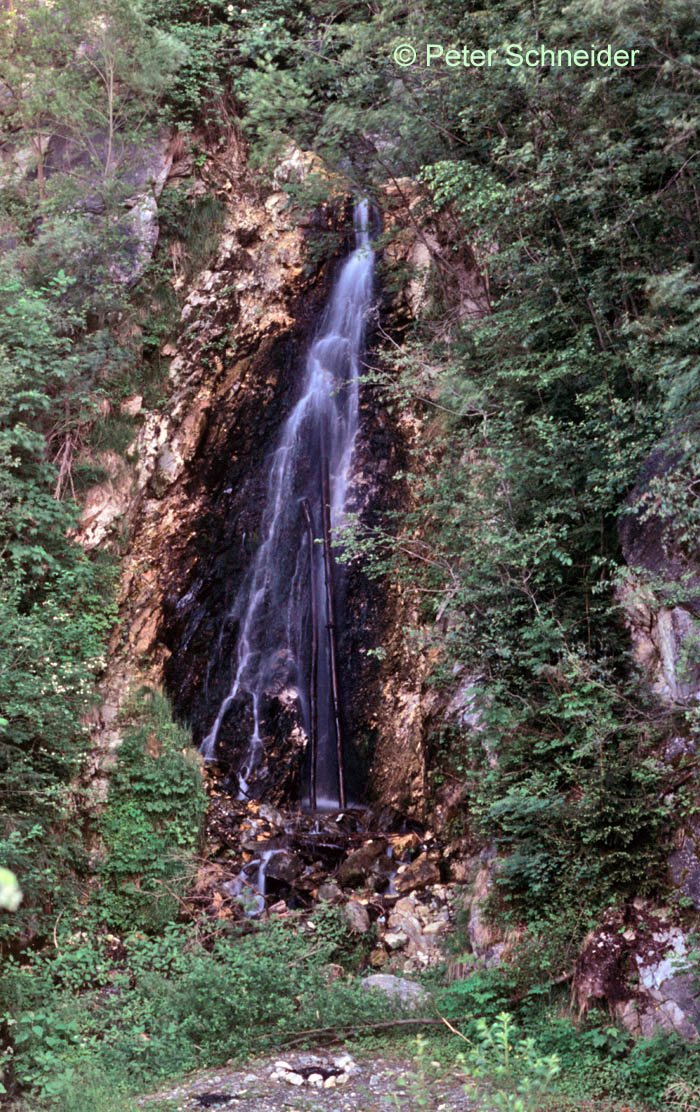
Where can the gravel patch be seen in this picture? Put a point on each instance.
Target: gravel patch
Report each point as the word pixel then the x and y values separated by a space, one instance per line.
pixel 337 1082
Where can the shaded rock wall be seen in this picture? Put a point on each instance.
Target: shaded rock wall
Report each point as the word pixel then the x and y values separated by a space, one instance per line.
pixel 661 601
pixel 141 169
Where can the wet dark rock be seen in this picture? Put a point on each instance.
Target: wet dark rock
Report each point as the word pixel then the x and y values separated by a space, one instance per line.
pixel 201 465
pixel 227 481
pixel 383 866
pixel 382 873
pixel 354 821
pixel 270 814
pixel 283 866
pixel 327 849
pixel 254 845
pixel 387 818
pixel 357 866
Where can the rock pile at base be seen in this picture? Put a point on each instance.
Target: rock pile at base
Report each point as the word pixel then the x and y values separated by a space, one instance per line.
pixel 313 1070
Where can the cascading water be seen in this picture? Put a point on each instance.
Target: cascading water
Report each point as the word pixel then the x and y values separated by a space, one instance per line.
pixel 285 609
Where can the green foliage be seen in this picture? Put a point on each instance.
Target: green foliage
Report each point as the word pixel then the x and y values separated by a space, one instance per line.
pixel 81 102
pixel 522 1074
pixel 341 946
pixel 159 1006
pixel 55 604
pixel 483 994
pixel 152 822
pixel 201 35
pixel 603 1061
pixel 87 83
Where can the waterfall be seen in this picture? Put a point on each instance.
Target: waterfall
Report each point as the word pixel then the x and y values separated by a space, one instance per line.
pixel 284 609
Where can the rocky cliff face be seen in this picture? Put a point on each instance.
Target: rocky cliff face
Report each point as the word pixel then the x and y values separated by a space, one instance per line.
pixel 662 594
pixel 636 960
pixel 422 246
pixel 661 598
pixel 192 495
pixel 144 170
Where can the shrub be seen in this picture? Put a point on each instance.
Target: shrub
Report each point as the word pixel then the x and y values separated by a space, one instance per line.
pixel 142 1008
pixel 153 819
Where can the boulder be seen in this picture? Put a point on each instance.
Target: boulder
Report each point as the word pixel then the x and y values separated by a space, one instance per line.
pixel 407 993
pixel 358 865
pixel 421 872
pixel 357 917
pixel 395 940
pixel 671 993
pixel 411 927
pixel 637 962
pixel 461 872
pixel 270 814
pixel 283 866
pixel 438 926
pixel 405 919
pixel 330 892
pixel 401 844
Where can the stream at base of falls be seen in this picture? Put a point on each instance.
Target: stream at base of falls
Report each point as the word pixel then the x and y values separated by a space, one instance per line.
pixel 268 858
